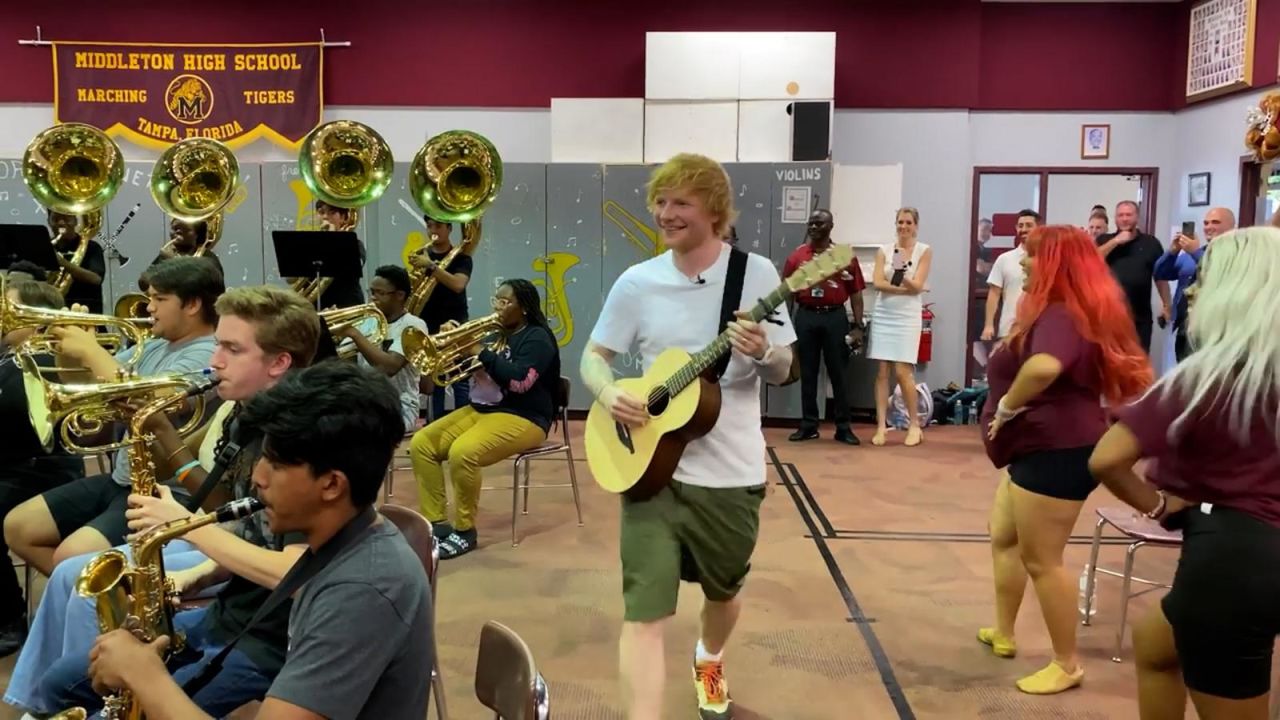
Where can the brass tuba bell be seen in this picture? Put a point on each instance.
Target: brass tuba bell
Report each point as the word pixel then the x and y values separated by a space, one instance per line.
pixel 455 176
pixel 346 164
pixel 193 181
pixel 73 169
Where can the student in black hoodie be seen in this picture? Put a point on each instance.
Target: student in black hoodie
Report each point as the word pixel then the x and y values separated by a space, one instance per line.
pixel 512 407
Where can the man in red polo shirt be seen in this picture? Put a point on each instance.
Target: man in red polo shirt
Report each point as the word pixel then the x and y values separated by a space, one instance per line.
pixel 822 328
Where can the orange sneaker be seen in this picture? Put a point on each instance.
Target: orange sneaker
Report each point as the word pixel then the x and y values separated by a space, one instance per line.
pixel 713 691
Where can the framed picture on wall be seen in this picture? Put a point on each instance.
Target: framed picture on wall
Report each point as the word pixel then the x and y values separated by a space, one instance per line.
pixel 1095 142
pixel 1198 189
pixel 1220 47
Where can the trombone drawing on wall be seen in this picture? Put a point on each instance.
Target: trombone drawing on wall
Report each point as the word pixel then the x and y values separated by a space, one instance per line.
pixel 634 229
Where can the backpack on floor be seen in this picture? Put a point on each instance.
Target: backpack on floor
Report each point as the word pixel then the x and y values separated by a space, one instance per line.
pixel 898 406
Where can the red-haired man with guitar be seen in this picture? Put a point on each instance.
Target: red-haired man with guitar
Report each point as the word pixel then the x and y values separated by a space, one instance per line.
pixel 691 505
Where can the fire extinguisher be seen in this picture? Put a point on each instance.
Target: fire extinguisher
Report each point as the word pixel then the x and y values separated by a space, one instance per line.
pixel 926 334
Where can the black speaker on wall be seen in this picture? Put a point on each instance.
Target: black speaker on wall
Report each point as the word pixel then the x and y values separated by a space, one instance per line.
pixel 810 130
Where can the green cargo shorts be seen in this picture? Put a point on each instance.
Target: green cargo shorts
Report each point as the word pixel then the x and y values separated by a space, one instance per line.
pixel 691 533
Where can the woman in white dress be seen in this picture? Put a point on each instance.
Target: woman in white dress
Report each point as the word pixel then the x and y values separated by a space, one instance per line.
pixel 900 274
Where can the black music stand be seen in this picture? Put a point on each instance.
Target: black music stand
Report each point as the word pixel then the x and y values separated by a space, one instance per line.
pixel 318 254
pixel 27 242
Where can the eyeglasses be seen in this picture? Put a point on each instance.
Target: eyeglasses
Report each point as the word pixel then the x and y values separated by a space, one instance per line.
pixel 498 303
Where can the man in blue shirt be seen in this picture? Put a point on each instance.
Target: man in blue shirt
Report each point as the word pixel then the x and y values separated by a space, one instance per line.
pixel 1181 263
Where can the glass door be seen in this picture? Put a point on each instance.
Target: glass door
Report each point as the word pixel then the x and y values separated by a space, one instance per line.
pixel 1000 197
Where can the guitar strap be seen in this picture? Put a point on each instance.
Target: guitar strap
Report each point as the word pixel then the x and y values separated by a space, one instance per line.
pixel 306 568
pixel 732 300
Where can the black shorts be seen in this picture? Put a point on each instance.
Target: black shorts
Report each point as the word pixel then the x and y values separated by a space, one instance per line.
pixel 96 501
pixel 1062 474
pixel 1225 603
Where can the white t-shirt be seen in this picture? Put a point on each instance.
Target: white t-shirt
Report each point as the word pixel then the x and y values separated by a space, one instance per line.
pixel 1007 274
pixel 406 381
pixel 653 306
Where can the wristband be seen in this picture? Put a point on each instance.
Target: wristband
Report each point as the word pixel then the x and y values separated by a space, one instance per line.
pixel 1160 506
pixel 181 474
pixel 1004 414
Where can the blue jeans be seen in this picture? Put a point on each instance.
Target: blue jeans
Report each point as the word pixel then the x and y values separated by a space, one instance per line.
pixel 66 624
pixel 461 398
pixel 240 681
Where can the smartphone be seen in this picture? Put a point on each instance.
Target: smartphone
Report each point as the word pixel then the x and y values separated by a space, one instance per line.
pixel 1189 228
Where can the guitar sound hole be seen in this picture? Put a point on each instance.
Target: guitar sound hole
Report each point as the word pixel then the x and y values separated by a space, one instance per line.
pixel 658 401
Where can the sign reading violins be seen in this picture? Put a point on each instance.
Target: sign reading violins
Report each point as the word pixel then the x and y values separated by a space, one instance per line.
pixel 156 94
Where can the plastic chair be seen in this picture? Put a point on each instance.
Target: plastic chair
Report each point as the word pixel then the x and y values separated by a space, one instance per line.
pixel 507 679
pixel 549 447
pixel 417 531
pixel 1142 531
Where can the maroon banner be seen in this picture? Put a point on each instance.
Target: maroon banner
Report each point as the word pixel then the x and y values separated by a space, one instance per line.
pixel 156 94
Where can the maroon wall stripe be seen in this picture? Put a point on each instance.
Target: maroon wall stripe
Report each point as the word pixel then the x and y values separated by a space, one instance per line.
pixel 521 53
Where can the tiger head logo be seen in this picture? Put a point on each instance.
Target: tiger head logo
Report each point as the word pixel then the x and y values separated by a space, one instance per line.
pixel 189 99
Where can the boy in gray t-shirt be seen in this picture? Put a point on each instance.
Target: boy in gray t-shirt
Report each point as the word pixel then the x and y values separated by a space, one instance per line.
pixel 384 645
pixel 360 629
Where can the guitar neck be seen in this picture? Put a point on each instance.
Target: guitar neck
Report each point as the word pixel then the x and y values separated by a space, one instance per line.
pixel 708 356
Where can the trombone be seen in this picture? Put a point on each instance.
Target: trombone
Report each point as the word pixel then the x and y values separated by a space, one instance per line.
pixel 340 319
pixel 345 164
pixel 455 177
pixel 73 169
pixel 442 356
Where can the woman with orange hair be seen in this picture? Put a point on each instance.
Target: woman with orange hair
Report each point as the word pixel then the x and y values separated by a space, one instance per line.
pixel 1073 343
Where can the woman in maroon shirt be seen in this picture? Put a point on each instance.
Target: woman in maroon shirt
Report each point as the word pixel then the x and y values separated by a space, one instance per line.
pixel 1073 343
pixel 1211 428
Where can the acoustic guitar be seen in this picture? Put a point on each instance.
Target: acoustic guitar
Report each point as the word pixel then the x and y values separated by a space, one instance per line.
pixel 683 402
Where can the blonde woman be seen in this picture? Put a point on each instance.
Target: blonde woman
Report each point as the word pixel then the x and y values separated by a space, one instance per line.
pixel 1213 430
pixel 900 275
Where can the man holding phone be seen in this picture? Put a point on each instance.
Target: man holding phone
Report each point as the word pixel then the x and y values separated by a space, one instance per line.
pixel 1181 262
pixel 1132 254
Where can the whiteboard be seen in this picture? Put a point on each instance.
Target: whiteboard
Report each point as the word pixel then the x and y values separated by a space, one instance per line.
pixel 864 200
pixel 787 65
pixel 764 131
pixel 708 128
pixel 597 130
pixel 691 65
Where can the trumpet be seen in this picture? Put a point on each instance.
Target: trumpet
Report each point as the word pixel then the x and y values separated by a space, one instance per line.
pixel 455 177
pixel 16 316
pixel 340 319
pixel 79 410
pixel 442 356
pixel 74 169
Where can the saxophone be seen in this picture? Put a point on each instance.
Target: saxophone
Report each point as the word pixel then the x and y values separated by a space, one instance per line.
pixel 110 581
pixel 138 596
